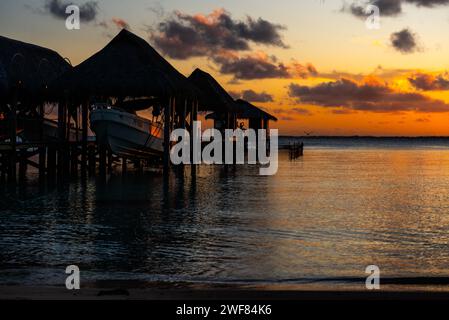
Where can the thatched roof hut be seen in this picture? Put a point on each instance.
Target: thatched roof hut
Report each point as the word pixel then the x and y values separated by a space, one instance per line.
pixel 213 97
pixel 127 67
pixel 26 70
pixel 250 111
pixel 246 110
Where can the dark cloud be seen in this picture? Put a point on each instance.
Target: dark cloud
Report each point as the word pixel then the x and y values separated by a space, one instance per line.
pixel 302 111
pixel 252 67
pixel 428 82
pixel 253 96
pixel 422 120
pixel 428 3
pixel 261 66
pixel 388 8
pixel 182 36
pixel 404 41
pixel 342 111
pixel 372 96
pixel 391 8
pixel 88 10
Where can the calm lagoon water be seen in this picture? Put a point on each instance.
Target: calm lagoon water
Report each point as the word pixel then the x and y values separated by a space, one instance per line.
pixel 320 220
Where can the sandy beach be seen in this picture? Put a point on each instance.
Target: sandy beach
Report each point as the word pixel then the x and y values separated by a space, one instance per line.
pixel 161 292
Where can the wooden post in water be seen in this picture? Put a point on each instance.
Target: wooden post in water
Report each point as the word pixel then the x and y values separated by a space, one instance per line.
pixel 85 124
pixel 61 138
pixel 12 172
pixel 92 160
pixel 51 161
pixel 110 161
pixel 267 134
pixel 42 161
pixel 42 148
pixel 124 165
pixel 182 125
pixel 194 117
pixel 167 124
pixel 23 166
pixel 4 165
pixel 102 160
pixel 74 159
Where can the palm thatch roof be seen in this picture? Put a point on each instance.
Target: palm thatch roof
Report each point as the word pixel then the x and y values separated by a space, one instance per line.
pixel 213 97
pixel 246 110
pixel 27 68
pixel 127 67
pixel 250 111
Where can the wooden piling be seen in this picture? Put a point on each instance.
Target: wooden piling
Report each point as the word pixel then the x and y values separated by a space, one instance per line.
pixel 124 165
pixel 102 160
pixel 2 166
pixel 23 165
pixel 61 138
pixel 12 172
pixel 167 114
pixel 85 124
pixel 74 159
pixel 194 117
pixel 42 162
pixel 51 161
pixel 92 160
pixel 110 161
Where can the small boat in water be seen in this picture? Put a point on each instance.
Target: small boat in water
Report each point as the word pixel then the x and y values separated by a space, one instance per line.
pixel 125 133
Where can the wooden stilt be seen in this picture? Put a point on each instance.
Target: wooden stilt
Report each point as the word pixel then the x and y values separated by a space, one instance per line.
pixel 23 165
pixel 124 165
pixel 42 149
pixel 2 166
pixel 74 159
pixel 12 172
pixel 194 118
pixel 92 160
pixel 42 162
pixel 61 138
pixel 51 162
pixel 84 120
pixel 110 161
pixel 67 158
pixel 102 161
pixel 138 164
pixel 167 114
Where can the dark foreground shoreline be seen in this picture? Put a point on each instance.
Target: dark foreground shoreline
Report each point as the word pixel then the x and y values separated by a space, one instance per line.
pixel 161 293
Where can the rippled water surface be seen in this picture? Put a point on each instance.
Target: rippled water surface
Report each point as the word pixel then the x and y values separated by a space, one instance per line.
pixel 325 216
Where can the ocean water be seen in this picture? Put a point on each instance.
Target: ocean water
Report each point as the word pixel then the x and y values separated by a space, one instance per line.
pixel 319 222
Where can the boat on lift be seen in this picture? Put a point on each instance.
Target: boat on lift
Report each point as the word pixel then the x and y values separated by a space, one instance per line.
pixel 125 133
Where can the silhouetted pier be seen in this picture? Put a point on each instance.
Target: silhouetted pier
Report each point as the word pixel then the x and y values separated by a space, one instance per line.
pixel 128 67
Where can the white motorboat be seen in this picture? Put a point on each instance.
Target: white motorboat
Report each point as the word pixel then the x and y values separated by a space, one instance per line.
pixel 125 133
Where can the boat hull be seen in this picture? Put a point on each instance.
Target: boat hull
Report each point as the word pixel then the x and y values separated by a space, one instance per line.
pixel 125 134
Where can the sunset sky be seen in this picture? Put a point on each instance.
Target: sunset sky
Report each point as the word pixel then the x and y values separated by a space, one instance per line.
pixel 314 64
